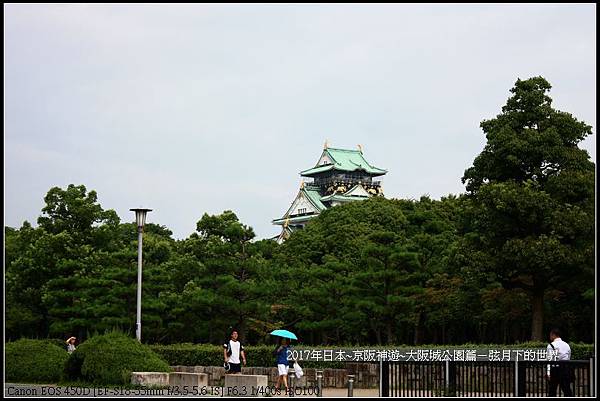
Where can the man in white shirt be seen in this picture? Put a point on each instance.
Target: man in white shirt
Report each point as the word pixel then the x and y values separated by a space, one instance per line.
pixel 558 374
pixel 232 350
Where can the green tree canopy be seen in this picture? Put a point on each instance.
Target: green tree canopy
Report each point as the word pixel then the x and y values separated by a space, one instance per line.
pixel 532 194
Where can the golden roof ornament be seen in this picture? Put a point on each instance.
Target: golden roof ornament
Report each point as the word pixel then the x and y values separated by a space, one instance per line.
pixel 360 148
pixel 301 184
pixel 326 145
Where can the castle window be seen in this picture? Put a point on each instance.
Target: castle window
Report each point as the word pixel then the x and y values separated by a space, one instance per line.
pixel 302 210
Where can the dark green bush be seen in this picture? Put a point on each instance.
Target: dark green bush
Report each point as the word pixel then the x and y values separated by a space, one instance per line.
pixel 581 351
pixel 109 359
pixel 212 355
pixel 34 361
pixel 188 354
pixel 57 341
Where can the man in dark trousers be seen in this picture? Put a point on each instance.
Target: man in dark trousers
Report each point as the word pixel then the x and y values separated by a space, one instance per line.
pixel 559 374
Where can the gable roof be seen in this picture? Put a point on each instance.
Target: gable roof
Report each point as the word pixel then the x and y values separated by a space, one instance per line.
pixel 344 160
pixel 312 195
pixel 357 190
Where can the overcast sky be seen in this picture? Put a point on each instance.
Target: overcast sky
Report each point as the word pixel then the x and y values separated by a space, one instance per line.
pixel 189 109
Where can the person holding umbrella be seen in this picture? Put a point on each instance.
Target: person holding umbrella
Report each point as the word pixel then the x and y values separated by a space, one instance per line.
pixel 281 357
pixel 282 363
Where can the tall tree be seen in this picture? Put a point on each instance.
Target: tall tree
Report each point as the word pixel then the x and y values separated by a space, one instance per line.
pixel 76 211
pixel 229 286
pixel 532 194
pixel 387 285
pixel 46 277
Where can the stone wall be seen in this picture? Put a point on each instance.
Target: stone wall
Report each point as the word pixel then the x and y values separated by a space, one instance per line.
pixel 366 375
pixel 150 378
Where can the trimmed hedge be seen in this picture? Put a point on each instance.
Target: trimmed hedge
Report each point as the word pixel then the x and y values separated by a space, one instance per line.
pixel 582 351
pixel 34 361
pixel 188 354
pixel 56 341
pixel 579 351
pixel 109 359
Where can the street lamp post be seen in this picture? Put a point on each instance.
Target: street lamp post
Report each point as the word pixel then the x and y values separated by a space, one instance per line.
pixel 140 218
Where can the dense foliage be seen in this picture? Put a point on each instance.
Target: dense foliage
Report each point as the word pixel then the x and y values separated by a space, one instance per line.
pixel 34 361
pixel 530 214
pixel 502 263
pixel 110 358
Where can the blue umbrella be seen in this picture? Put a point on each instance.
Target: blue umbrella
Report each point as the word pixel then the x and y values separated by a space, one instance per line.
pixel 284 334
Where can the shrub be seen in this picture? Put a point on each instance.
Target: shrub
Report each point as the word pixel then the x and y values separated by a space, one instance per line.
pixel 34 361
pixel 109 359
pixel 188 354
pixel 56 341
pixel 581 351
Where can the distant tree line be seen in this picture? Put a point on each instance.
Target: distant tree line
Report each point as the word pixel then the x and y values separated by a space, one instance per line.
pixel 503 262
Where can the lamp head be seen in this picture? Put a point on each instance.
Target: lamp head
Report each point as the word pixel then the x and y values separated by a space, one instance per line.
pixel 140 216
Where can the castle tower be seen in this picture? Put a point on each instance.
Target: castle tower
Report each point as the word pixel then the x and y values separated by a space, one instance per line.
pixel 340 175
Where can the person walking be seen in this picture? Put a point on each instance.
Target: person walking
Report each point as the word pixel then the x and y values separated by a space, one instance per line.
pixel 71 344
pixel 232 351
pixel 281 359
pixel 559 373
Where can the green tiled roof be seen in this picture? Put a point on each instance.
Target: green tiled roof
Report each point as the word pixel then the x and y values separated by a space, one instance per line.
pixel 298 219
pixel 342 198
pixel 313 195
pixel 345 160
pixel 316 170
